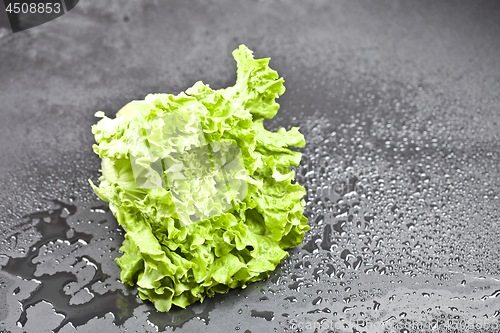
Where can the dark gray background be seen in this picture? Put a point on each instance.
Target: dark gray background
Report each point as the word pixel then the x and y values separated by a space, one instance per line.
pixel 398 100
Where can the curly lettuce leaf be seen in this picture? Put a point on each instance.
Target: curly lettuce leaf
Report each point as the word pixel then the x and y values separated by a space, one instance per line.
pixel 203 191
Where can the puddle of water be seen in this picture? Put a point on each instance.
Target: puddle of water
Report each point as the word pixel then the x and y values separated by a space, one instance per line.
pixel 53 226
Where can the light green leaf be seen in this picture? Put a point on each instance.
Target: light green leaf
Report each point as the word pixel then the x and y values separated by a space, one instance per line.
pixel 203 191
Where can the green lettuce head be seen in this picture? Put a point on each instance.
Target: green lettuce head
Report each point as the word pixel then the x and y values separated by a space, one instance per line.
pixel 202 190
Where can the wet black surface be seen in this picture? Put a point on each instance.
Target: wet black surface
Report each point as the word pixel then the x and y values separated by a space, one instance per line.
pixel 53 227
pixel 399 104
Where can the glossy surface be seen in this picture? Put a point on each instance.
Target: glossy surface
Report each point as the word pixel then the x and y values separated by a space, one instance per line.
pixel 399 105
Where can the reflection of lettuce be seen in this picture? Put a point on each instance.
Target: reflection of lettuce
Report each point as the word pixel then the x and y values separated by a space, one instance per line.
pixel 173 260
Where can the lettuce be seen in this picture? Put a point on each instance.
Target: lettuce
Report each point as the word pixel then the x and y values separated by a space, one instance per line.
pixel 203 191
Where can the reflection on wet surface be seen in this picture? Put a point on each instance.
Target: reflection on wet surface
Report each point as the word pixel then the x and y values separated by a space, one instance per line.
pixel 52 286
pixel 75 294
